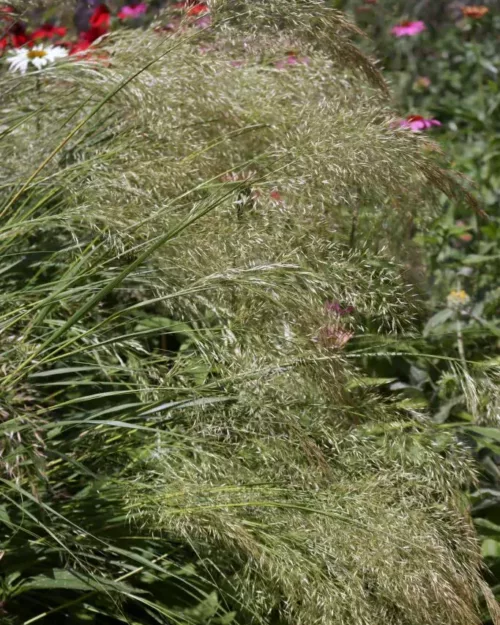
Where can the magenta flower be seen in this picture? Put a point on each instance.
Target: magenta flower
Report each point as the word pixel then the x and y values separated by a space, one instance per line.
pixel 408 29
pixel 290 60
pixel 336 308
pixel 132 12
pixel 417 123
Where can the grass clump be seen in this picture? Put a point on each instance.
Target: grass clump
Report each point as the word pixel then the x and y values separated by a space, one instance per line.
pixel 188 253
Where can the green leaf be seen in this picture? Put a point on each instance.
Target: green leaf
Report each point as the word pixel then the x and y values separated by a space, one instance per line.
pixel 4 515
pixel 367 381
pixel 479 259
pixel 444 412
pixel 491 433
pixel 437 320
pixel 486 524
pixel 490 548
pixel 410 403
pixel 63 579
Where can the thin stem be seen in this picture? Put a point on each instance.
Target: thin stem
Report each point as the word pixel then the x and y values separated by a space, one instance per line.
pixel 460 343
pixel 354 227
pixel 38 89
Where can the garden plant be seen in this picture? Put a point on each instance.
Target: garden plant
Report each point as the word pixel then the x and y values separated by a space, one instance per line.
pixel 444 65
pixel 220 367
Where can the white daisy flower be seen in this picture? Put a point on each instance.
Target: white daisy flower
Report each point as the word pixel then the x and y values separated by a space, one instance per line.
pixel 39 56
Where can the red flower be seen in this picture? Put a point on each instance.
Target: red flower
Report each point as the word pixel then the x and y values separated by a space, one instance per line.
pixel 86 40
pixel 101 18
pixel 474 12
pixel 48 31
pixel 92 34
pixel 13 33
pixel 15 36
pixel 198 9
pixel 99 26
pixel 20 37
pixel 7 13
pixel 80 46
pixel 192 8
pixel 84 50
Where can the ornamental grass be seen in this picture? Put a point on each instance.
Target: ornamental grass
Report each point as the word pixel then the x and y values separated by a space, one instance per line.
pixel 195 239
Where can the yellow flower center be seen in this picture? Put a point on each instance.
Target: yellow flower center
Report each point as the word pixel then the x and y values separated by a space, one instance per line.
pixel 457 298
pixel 37 54
pixel 459 295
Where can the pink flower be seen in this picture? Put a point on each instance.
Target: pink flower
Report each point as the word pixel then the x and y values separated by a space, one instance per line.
pixel 336 308
pixel 408 29
pixel 466 237
pixel 205 21
pixel 291 59
pixel 207 49
pixel 422 82
pixel 167 28
pixel 129 12
pixel 334 337
pixel 417 123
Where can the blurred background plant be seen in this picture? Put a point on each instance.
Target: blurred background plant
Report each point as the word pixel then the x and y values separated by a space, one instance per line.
pixel 204 235
pixel 449 71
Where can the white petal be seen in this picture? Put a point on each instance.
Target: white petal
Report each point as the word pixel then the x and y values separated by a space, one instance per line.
pixel 21 66
pixel 40 61
pixel 59 52
pixel 18 62
pixel 15 57
pixel 55 52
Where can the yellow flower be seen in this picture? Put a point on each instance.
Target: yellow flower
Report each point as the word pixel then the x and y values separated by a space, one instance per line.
pixel 457 299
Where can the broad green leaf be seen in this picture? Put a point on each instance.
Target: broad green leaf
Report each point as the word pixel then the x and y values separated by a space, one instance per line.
pixel 63 579
pixel 438 319
pixel 487 433
pixel 490 548
pixel 479 259
pixel 368 381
